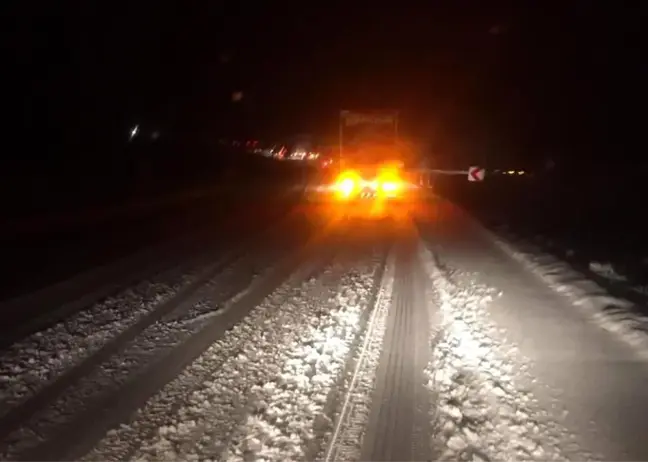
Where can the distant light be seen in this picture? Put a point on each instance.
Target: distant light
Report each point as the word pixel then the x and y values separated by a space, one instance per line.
pixel 511 172
pixel 520 172
pixel 134 131
pixel 237 96
pixel 155 135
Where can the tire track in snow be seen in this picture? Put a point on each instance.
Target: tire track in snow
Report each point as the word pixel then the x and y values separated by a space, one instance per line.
pixel 211 392
pixel 393 428
pixel 37 360
pixel 12 424
pixel 82 291
pixel 30 364
pixel 153 342
pixel 296 408
pixel 81 434
pixel 251 394
pixel 48 341
pixel 351 401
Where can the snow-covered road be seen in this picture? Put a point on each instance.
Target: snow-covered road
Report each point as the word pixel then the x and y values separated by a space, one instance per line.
pixel 265 385
pixel 50 376
pixel 524 370
pixel 383 340
pixel 37 359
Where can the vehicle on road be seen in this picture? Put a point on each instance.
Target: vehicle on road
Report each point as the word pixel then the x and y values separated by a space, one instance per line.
pixel 371 158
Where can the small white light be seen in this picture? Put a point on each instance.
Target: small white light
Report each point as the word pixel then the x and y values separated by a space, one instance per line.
pixel 134 131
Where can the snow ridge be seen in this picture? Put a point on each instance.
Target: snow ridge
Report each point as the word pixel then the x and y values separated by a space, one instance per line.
pixel 610 313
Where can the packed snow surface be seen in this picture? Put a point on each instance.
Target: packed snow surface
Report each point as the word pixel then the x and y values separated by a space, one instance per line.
pixel 156 340
pixel 486 410
pixel 261 390
pixel 40 358
pixel 354 396
pixel 626 322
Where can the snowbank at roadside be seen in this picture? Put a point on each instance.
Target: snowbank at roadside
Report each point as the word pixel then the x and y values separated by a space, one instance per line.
pixel 614 314
pixel 617 315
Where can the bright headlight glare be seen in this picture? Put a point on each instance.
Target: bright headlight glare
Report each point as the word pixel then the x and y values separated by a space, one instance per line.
pixel 346 186
pixel 390 186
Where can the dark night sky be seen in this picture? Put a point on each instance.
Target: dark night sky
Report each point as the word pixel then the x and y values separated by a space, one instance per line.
pixel 557 79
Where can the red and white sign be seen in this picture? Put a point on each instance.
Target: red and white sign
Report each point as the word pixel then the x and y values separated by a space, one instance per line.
pixel 476 174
